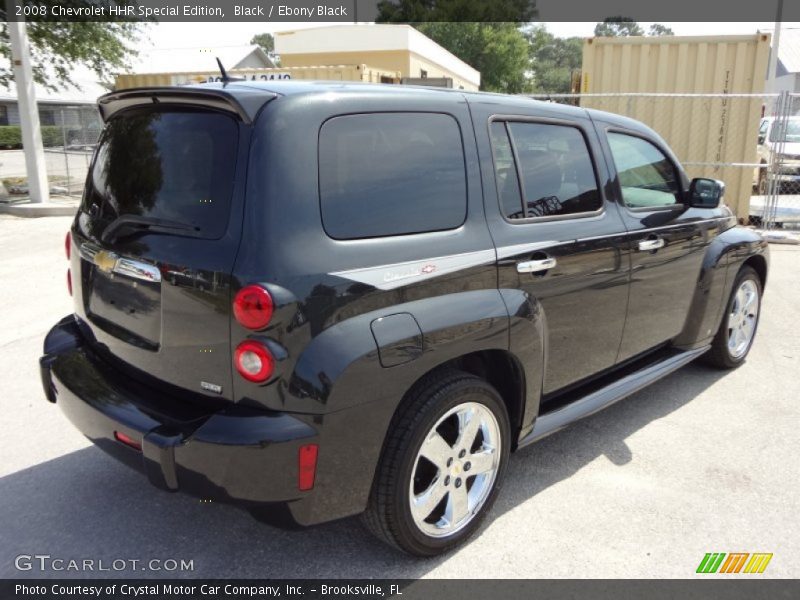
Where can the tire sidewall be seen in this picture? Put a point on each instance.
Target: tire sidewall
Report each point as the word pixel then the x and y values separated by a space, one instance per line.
pixel 746 273
pixel 472 390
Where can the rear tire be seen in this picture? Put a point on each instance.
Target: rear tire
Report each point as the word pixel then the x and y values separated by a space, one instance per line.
pixel 442 465
pixel 739 324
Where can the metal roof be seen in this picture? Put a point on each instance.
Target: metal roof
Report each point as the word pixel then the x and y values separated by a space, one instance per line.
pixel 178 60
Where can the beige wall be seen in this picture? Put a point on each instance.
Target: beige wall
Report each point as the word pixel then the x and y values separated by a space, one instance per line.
pixel 363 73
pixel 408 63
pixel 391 60
pixel 721 129
pixel 419 63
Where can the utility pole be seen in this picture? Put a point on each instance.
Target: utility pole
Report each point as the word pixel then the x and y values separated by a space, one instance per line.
pixel 28 112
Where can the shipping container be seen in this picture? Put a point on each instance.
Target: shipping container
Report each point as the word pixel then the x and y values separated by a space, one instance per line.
pixel 691 90
pixel 362 73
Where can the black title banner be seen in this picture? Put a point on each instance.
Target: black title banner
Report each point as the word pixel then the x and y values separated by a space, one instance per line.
pixel 403 589
pixel 400 11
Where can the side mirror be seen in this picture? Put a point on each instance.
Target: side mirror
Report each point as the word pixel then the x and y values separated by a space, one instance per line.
pixel 705 193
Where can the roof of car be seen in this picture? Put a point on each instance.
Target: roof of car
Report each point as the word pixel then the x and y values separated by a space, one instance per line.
pixel 250 96
pixel 298 87
pixel 305 86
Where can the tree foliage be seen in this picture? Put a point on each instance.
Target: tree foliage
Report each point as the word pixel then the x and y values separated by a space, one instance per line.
pixel 498 50
pixel 624 27
pixel 58 47
pixel 474 11
pixel 657 29
pixel 553 60
pixel 266 41
pixel 618 27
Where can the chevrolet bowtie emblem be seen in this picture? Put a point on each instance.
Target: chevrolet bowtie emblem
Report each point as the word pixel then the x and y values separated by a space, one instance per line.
pixel 105 261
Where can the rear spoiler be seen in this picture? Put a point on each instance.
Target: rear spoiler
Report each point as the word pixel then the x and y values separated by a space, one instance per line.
pixel 244 103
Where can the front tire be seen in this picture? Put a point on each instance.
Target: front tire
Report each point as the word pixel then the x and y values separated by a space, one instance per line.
pixel 739 323
pixel 442 465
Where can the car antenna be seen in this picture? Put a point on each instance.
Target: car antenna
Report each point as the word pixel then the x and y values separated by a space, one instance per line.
pixel 226 79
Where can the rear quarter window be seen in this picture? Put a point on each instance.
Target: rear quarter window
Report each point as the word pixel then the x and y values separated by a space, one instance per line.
pixel 386 174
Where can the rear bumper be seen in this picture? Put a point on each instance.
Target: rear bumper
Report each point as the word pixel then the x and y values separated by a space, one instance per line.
pixel 236 455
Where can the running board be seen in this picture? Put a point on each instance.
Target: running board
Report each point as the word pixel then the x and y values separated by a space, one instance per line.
pixel 598 400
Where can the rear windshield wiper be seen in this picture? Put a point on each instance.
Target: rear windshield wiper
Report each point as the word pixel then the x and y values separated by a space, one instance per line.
pixel 127 225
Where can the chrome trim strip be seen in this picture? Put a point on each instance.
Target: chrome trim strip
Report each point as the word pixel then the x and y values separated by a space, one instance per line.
pixel 128 267
pixel 88 251
pixel 137 270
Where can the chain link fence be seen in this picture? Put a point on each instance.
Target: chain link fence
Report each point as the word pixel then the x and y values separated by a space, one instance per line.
pixel 749 141
pixel 68 160
pixel 720 136
pixel 69 135
pixel 776 203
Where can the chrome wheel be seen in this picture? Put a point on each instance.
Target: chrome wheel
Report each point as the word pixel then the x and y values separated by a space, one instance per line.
pixel 455 469
pixel 743 318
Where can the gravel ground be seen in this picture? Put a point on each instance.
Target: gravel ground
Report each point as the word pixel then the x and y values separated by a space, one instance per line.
pixel 702 461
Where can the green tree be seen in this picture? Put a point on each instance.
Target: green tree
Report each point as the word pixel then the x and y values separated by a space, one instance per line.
pixel 266 41
pixel 57 48
pixel 475 11
pixel 498 50
pixel 553 61
pixel 657 29
pixel 618 27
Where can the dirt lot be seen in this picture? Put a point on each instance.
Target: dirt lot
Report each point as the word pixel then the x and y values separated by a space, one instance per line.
pixel 703 461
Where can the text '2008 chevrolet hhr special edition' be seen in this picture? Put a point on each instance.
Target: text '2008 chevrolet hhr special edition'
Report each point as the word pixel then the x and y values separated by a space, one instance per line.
pixel 316 300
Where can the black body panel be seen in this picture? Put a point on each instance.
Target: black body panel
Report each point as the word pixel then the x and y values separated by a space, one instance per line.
pixel 357 322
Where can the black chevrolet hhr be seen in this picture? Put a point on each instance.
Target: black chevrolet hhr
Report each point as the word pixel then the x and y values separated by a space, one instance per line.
pixel 316 300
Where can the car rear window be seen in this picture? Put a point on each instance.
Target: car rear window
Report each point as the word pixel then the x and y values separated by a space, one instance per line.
pixel 385 174
pixel 173 165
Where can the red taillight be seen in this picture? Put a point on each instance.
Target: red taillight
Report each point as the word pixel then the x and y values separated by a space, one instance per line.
pixel 69 281
pixel 127 440
pixel 253 361
pixel 307 466
pixel 252 307
pixel 68 245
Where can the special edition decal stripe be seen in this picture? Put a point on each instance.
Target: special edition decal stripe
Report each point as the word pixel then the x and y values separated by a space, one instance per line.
pixel 391 276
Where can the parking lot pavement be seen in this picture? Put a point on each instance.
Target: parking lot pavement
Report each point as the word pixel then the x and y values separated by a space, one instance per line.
pixel 702 461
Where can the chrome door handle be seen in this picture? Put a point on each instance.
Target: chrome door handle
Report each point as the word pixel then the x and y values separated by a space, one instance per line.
pixel 651 244
pixel 536 266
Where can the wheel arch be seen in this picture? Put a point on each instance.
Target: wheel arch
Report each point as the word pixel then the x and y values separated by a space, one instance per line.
pixel 498 367
pixel 724 257
pixel 503 371
pixel 759 265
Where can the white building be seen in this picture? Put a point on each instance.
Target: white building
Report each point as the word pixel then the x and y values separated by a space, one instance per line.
pixel 69 106
pixel 179 60
pixel 389 47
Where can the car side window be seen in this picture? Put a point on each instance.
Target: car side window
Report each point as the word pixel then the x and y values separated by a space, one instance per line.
pixel 385 174
pixel 646 176
pixel 506 173
pixel 554 175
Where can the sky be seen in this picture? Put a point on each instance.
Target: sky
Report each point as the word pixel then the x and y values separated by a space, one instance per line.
pixel 192 35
